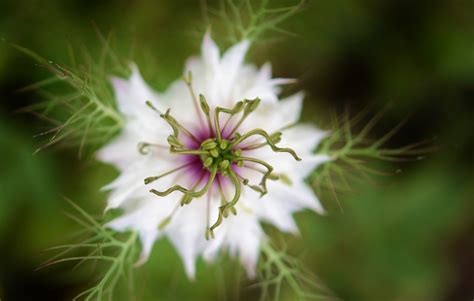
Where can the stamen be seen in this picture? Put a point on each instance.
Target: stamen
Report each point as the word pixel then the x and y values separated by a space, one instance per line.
pixel 187 151
pixel 144 147
pixel 189 83
pixel 154 178
pixel 227 122
pixel 208 216
pixel 267 137
pixel 218 155
pixel 251 105
pixel 230 205
pixel 285 179
pixel 238 107
pixel 206 110
pixel 151 106
pixel 194 194
pixel 174 141
pixel 186 199
pixel 253 187
pixel 272 176
pixel 176 126
pixel 269 168
pixel 221 190
pixel 164 222
pixel 275 138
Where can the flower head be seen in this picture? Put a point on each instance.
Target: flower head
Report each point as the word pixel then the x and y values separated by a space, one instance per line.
pixel 209 159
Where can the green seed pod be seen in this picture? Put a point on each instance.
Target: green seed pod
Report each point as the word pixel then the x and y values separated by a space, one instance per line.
pixel 208 162
pixel 214 152
pixel 208 145
pixel 224 164
pixel 224 143
pixel 237 152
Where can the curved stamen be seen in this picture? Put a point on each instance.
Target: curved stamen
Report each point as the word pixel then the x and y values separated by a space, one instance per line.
pixel 272 176
pixel 269 168
pixel 144 147
pixel 218 154
pixel 176 126
pixel 164 222
pixel 188 151
pixel 250 106
pixel 238 189
pixel 228 206
pixel 253 187
pixel 189 83
pixel 268 138
pixel 239 106
pixel 152 106
pixel 205 108
pixel 275 137
pixel 186 199
pixel 227 122
pixel 193 194
pixel 154 178
pixel 221 191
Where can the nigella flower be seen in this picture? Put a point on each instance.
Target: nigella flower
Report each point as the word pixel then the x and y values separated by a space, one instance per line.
pixel 210 159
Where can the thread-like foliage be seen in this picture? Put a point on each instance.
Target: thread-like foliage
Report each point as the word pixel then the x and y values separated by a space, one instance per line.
pixel 277 270
pixel 353 153
pixel 116 252
pixel 245 19
pixel 78 102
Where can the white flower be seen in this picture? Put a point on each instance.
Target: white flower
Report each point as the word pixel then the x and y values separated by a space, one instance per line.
pixel 222 170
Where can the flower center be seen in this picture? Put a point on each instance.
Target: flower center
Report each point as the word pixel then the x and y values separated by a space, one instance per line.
pixel 219 155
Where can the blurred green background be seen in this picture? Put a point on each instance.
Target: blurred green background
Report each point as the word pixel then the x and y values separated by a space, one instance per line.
pixel 408 238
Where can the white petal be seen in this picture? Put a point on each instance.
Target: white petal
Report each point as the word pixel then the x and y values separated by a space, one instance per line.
pixel 290 108
pixel 132 94
pixel 277 211
pixel 265 72
pixel 241 235
pixel 130 183
pixel 187 232
pixel 230 67
pixel 223 81
pixel 233 58
pixel 147 239
pixel 302 138
pixel 300 194
pixel 209 51
pixel 123 151
pixel 144 215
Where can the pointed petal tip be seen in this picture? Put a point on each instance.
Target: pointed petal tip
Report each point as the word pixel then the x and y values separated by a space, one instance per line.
pixel 320 210
pixel 250 268
pixel 141 260
pixel 317 207
pixel 209 50
pixel 190 271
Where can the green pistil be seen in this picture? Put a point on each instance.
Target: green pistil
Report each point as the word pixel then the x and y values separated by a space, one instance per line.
pixel 219 155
